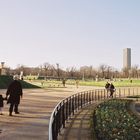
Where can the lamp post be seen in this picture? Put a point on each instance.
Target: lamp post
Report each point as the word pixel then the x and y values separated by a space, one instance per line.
pixel 2 64
pixel 58 72
pixel 2 72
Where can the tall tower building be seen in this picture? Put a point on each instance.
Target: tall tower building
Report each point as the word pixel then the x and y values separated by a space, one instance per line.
pixel 127 58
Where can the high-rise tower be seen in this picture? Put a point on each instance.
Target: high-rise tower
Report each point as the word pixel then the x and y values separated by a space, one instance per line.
pixel 127 58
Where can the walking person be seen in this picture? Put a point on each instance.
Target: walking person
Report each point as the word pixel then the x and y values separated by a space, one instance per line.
pixel 13 95
pixel 112 90
pixel 64 82
pixel 77 83
pixel 107 86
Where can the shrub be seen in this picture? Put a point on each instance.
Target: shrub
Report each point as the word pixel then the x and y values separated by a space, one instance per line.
pixel 113 120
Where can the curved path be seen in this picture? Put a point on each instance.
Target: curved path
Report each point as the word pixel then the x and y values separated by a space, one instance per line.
pixel 78 127
pixel 35 110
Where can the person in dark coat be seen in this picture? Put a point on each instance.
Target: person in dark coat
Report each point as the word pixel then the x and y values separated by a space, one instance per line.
pixel 63 82
pixel 1 104
pixel 13 95
pixel 112 90
pixel 107 85
pixel 77 83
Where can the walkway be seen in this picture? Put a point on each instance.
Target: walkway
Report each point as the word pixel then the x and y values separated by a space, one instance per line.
pixel 36 108
pixel 78 127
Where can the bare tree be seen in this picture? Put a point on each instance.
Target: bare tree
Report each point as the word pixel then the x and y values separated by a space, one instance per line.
pixel 88 72
pixel 125 72
pixel 102 69
pixel 84 72
pixel 46 67
pixel 72 72
pixel 134 71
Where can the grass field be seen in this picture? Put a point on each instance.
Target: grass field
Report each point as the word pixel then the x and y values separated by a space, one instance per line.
pixel 56 83
pixel 29 81
pixel 6 80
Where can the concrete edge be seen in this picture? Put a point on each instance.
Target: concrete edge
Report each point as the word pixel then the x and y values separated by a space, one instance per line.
pixel 133 108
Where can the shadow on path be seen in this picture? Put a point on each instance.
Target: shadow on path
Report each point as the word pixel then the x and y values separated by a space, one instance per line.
pixel 78 127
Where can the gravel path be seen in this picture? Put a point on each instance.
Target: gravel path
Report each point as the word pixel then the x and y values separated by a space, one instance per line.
pixel 35 110
pixel 78 127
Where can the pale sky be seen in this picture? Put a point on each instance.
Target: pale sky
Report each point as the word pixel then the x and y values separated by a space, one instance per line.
pixel 69 32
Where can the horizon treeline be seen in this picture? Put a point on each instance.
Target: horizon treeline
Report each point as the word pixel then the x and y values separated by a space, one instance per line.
pixel 86 72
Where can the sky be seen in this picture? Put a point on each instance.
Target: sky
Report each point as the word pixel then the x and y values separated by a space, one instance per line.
pixel 69 32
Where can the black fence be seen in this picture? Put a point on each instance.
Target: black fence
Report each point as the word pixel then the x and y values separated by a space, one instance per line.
pixel 67 107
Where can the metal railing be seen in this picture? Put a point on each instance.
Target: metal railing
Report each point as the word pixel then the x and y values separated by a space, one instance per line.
pixel 67 107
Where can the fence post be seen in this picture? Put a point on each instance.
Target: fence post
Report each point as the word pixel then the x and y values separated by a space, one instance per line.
pixel 67 109
pixel 98 95
pixel 101 94
pixel 69 106
pixel 115 94
pixel 63 114
pixel 95 95
pixel 93 98
pixel 119 93
pixel 73 105
pixel 129 92
pixel 104 94
pixel 137 95
pixel 81 100
pixel 54 131
pixel 133 91
pixel 90 97
pixel 124 92
pixel 84 98
pixel 78 101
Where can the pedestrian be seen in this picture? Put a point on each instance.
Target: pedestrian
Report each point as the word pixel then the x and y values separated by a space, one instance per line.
pixel 77 83
pixel 112 90
pixel 42 83
pixel 63 82
pixel 13 95
pixel 1 104
pixel 107 85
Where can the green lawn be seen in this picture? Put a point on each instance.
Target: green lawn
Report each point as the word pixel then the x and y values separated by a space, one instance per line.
pixel 56 83
pixel 6 80
pixel 117 83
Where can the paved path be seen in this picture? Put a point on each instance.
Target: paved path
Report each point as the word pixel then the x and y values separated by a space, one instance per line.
pixel 36 108
pixel 78 127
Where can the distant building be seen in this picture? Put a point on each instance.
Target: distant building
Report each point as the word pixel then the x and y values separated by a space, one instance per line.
pixel 127 58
